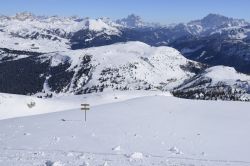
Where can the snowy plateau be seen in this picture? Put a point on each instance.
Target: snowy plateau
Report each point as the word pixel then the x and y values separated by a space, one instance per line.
pixel 160 95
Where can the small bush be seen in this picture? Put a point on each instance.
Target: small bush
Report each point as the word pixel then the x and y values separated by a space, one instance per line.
pixel 31 104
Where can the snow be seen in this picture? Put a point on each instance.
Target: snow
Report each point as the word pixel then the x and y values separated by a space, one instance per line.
pixel 189 50
pixel 239 32
pixel 41 45
pixel 202 55
pixel 99 25
pixel 117 148
pixel 175 150
pixel 17 32
pixel 227 75
pixel 136 156
pixel 57 60
pixel 219 74
pixel 151 130
pixel 62 102
pixel 123 127
pixel 11 57
pixel 135 61
pixel 224 73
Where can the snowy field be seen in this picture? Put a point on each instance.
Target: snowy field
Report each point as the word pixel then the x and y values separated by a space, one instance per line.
pixel 123 128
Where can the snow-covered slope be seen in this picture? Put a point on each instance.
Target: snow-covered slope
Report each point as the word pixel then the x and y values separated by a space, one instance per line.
pixel 223 73
pixel 218 82
pixel 131 65
pixel 123 66
pixel 154 130
pixel 30 105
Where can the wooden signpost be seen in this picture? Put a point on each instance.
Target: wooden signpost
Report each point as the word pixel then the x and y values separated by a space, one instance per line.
pixel 85 107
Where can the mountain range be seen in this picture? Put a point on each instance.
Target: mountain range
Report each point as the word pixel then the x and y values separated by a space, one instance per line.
pixel 49 55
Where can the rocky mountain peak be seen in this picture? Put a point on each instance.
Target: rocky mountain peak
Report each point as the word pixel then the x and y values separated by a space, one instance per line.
pixel 24 16
pixel 132 21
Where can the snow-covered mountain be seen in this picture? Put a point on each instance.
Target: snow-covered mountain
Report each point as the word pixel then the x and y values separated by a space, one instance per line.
pixel 216 83
pixel 214 22
pixel 47 34
pixel 131 21
pixel 48 53
pixel 208 37
pixel 213 40
pixel 124 66
pixel 65 32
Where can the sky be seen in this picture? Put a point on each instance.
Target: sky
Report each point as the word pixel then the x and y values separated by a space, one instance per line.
pixel 161 11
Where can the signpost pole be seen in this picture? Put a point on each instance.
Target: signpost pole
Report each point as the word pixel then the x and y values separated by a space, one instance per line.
pixel 85 108
pixel 85 115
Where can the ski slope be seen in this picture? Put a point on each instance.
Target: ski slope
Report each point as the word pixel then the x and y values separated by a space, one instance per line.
pixel 13 106
pixel 150 129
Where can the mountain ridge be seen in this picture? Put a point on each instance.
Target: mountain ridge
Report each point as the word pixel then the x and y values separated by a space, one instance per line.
pixel 42 47
pixel 123 66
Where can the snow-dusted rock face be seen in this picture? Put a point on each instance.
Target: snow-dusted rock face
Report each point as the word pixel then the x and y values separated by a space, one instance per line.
pixel 216 83
pixel 124 66
pixel 132 21
pixel 26 31
pixel 215 21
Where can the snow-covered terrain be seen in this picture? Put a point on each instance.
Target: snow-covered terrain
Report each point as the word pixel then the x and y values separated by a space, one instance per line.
pixel 13 106
pixel 122 66
pixel 131 65
pixel 220 73
pixel 63 62
pixel 216 83
pixel 153 130
pixel 25 31
pixel 214 39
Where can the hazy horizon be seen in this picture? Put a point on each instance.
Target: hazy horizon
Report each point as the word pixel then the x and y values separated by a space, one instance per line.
pixel 161 11
pixel 169 23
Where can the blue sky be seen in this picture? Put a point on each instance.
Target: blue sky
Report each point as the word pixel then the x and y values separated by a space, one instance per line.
pixel 163 11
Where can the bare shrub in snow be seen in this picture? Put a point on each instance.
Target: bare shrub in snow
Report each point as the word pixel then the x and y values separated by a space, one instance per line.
pixel 31 104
